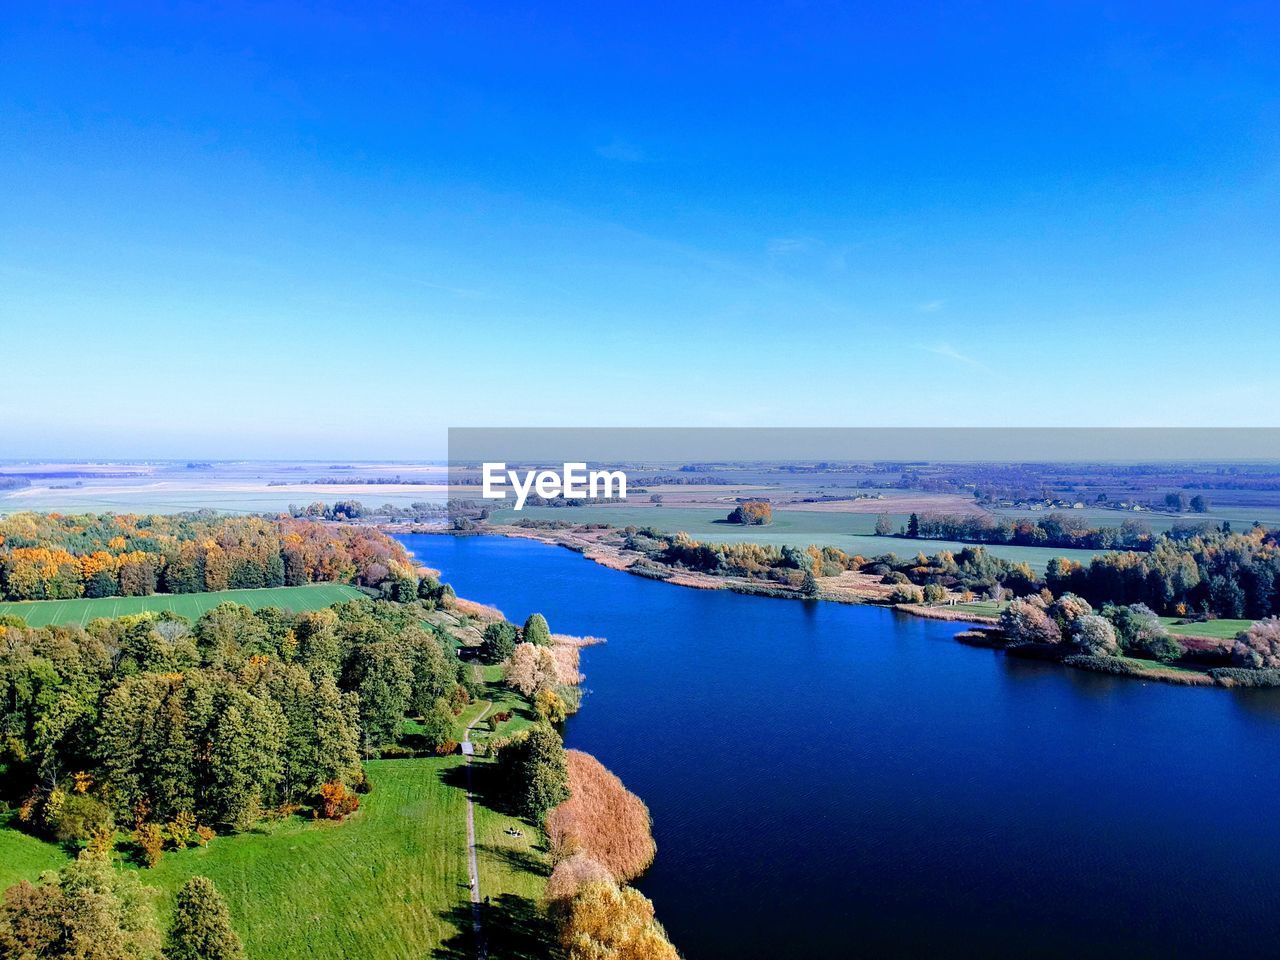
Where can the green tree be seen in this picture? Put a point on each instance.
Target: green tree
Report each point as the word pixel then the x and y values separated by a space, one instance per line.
pixel 534 772
pixel 499 641
pixel 913 526
pixel 201 926
pixel 536 630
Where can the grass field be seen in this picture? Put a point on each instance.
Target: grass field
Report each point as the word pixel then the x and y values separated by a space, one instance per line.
pixel 313 596
pixel 389 883
pixel 851 532
pixel 1226 629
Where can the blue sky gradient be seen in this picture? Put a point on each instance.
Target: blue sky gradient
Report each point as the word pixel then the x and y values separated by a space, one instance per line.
pixel 314 230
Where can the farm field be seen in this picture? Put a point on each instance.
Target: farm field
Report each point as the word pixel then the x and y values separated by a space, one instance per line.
pixel 389 883
pixel 312 596
pixel 851 532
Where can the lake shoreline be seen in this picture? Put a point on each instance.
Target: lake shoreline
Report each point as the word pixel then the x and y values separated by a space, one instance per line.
pixel 850 589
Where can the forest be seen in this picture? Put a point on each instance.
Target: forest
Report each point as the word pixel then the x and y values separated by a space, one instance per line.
pixel 59 557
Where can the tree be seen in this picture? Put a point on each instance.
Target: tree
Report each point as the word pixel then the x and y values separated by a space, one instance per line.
pixel 752 513
pixel 1095 636
pixel 1199 503
pixel 499 642
pixel 913 526
pixel 1025 621
pixel 536 630
pixel 1140 631
pixel 550 706
pixel 1176 502
pixel 201 926
pixel 607 922
pixel 534 772
pixel 532 669
pixel 809 584
pixel 1067 609
pixel 1259 646
pixel 884 525
pixel 87 911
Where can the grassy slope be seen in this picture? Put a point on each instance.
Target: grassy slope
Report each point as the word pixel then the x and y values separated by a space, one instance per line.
pixel 389 883
pixel 23 857
pixel 313 596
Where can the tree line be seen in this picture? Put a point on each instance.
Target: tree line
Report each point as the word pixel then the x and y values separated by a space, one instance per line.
pixel 1054 530
pixel 58 557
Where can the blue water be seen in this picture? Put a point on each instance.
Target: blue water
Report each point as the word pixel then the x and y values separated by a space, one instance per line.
pixel 830 780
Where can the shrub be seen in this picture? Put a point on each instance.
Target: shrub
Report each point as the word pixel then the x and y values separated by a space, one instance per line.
pixel 336 801
pixel 1140 631
pixel 1258 648
pixel 78 817
pixel 905 594
pixel 934 593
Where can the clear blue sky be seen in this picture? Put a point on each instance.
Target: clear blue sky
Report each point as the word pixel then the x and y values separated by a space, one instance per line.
pixel 318 230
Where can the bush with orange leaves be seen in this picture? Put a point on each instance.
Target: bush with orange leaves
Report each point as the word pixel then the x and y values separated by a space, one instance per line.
pixel 608 921
pixel 336 801
pixel 602 819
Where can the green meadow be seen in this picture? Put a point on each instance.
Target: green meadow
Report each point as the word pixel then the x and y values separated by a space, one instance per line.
pixel 390 882
pixel 312 596
pixel 852 532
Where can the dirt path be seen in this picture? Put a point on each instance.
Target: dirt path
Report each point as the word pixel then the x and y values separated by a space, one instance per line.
pixel 482 950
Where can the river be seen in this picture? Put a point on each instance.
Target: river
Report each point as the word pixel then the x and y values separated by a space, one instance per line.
pixel 832 780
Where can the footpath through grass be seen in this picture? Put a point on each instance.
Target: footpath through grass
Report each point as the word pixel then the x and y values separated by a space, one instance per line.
pixel 312 596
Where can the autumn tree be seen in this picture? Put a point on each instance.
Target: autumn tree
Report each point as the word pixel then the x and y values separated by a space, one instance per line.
pixel 201 925
pixel 607 922
pixel 87 911
pixel 1259 646
pixel 531 669
pixel 1095 636
pixel 1025 621
pixel 752 513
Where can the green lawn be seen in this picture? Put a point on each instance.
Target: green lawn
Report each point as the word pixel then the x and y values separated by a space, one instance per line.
pixel 313 596
pixel 23 857
pixel 391 882
pixel 1226 629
